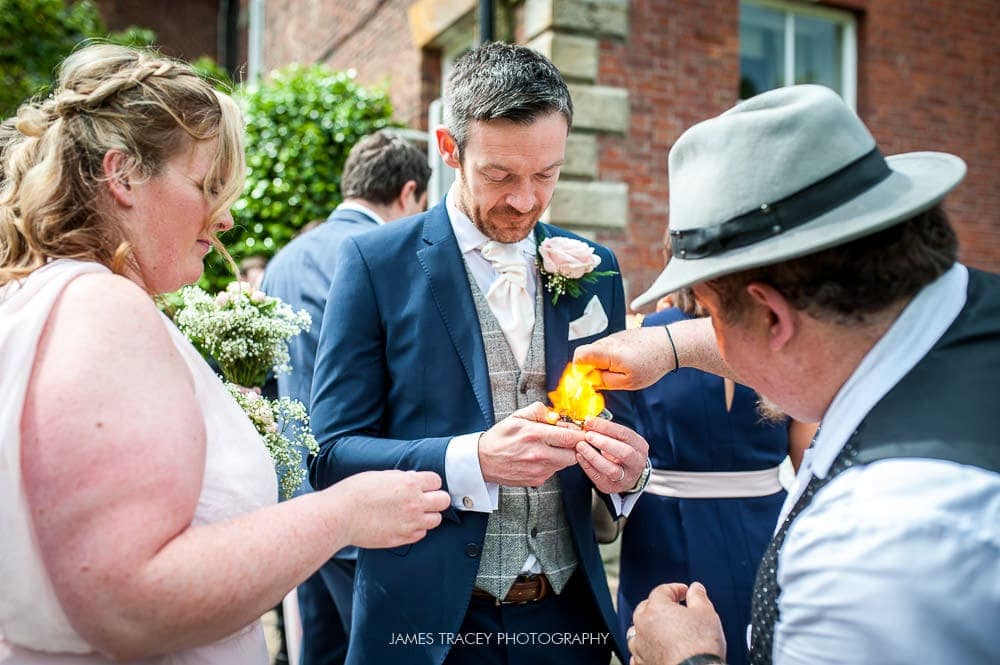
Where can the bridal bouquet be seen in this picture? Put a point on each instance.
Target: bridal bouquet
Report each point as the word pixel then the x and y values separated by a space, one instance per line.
pixel 284 426
pixel 246 333
pixel 242 329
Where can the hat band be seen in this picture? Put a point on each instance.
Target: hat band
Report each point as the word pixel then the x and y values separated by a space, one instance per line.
pixel 772 219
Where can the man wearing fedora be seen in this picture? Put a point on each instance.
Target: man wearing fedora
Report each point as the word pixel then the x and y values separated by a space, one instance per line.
pixel 831 276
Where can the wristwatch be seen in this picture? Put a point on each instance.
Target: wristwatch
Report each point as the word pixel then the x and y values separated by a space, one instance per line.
pixel 640 484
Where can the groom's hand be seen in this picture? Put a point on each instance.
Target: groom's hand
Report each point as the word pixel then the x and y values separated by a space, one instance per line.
pixel 613 456
pixel 527 447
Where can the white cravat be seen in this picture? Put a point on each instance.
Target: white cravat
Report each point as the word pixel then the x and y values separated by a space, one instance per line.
pixel 508 296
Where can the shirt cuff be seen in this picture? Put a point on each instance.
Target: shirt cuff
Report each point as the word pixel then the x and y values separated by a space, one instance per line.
pixel 465 478
pixel 623 503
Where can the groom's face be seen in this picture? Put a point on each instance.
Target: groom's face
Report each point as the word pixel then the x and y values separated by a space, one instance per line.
pixel 507 174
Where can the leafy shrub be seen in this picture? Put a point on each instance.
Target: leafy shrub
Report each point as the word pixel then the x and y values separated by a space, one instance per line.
pixel 35 36
pixel 301 124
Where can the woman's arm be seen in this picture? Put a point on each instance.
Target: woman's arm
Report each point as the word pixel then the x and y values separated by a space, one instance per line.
pixel 113 453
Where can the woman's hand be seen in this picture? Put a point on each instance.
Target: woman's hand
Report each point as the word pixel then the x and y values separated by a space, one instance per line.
pixel 390 508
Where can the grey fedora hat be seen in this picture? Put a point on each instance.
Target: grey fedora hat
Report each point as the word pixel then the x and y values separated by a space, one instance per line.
pixel 787 173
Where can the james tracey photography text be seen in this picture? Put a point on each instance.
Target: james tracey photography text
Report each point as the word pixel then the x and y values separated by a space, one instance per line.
pixel 503 639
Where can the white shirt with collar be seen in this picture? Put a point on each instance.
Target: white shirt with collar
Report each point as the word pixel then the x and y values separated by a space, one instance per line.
pixel 465 477
pixel 897 561
pixel 363 209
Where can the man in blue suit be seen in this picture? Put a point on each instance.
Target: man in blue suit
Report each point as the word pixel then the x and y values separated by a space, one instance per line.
pixel 385 178
pixel 439 343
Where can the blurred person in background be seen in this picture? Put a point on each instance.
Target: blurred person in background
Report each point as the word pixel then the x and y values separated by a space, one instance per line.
pixel 385 178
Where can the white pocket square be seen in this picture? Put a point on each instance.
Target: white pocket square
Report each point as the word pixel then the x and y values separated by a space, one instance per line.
pixel 592 321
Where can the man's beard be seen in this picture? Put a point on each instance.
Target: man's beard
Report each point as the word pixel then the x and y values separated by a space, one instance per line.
pixel 769 412
pixel 487 222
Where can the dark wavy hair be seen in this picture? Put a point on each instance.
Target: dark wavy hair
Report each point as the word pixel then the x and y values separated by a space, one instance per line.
pixel 508 81
pixel 853 282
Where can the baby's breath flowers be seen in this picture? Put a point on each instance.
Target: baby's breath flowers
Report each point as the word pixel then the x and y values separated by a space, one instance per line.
pixel 242 329
pixel 246 332
pixel 284 426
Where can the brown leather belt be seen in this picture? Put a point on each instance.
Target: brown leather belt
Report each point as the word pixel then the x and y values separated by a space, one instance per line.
pixel 526 589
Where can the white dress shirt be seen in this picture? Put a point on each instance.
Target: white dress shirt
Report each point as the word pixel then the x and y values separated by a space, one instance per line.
pixel 897 561
pixel 465 477
pixel 363 209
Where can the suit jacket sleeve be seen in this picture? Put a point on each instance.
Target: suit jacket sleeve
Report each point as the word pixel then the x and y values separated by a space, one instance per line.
pixel 351 388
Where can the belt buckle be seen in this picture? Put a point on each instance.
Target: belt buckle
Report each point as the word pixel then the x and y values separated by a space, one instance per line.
pixel 538 579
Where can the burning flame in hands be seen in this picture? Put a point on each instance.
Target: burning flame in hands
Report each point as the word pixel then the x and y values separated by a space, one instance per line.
pixel 577 397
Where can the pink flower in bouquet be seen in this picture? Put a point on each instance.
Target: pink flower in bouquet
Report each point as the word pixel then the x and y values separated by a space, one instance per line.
pixel 567 257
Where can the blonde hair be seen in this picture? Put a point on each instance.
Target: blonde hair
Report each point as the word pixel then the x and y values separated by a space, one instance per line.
pixel 53 202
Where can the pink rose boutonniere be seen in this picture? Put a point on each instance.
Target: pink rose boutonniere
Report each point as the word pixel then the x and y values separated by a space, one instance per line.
pixel 565 263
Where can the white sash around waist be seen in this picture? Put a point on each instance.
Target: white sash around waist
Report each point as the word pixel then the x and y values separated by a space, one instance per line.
pixel 714 484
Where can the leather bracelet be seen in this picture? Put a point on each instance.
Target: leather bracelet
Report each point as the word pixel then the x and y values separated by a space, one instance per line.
pixel 703 659
pixel 677 360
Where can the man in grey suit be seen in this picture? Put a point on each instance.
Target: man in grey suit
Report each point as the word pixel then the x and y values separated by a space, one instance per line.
pixel 385 178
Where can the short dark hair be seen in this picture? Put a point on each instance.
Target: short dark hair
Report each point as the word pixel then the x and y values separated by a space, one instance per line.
pixel 509 81
pixel 380 164
pixel 850 283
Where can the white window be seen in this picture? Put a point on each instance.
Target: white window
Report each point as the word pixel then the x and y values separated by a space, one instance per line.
pixel 784 43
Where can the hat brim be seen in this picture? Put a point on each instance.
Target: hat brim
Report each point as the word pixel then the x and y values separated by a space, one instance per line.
pixel 918 181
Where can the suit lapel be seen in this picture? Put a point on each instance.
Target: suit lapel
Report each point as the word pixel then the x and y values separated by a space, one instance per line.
pixel 556 329
pixel 442 263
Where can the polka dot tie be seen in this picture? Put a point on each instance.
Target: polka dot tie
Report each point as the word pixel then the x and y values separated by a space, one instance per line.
pixel 764 604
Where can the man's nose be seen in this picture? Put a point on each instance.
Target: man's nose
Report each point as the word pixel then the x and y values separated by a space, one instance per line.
pixel 522 198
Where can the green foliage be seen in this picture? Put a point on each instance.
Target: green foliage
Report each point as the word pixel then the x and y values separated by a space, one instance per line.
pixel 301 124
pixel 35 36
pixel 214 72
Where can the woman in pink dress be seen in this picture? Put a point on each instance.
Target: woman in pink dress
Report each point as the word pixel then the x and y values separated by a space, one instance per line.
pixel 137 502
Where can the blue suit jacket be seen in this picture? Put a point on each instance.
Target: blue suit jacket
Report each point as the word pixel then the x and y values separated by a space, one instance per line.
pixel 400 370
pixel 300 275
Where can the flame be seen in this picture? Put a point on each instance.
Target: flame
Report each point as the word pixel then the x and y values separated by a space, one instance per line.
pixel 576 396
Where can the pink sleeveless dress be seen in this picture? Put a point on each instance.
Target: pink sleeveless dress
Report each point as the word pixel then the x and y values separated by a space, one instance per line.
pixel 239 477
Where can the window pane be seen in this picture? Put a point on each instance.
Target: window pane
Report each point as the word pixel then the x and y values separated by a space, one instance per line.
pixel 818 44
pixel 762 49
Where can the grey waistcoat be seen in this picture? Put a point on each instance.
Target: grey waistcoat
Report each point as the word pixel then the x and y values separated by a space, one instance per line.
pixel 529 520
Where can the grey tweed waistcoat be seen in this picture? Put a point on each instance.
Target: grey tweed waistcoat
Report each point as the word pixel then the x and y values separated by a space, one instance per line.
pixel 529 520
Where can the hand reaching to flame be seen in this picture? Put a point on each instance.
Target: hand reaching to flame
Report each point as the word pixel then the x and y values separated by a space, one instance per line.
pixel 527 447
pixel 612 455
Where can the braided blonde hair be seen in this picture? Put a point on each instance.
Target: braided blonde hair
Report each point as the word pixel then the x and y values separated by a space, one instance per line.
pixel 53 202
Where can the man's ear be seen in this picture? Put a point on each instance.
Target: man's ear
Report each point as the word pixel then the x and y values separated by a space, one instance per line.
pixel 782 318
pixel 407 193
pixel 116 174
pixel 447 147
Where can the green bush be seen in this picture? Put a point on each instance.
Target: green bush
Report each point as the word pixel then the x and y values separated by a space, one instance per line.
pixel 35 35
pixel 301 123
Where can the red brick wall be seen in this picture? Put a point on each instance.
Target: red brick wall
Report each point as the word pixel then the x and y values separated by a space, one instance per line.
pixel 928 79
pixel 680 65
pixel 370 36
pixel 184 28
